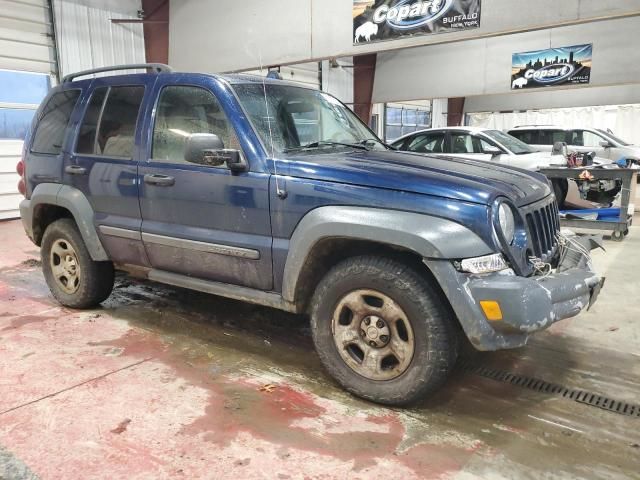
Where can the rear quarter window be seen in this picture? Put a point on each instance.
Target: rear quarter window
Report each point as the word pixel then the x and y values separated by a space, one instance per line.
pixel 53 122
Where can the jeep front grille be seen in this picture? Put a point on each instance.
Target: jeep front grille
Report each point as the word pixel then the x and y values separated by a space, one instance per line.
pixel 543 223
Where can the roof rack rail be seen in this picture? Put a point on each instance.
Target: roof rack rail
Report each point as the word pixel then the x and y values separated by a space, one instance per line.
pixel 534 125
pixel 155 67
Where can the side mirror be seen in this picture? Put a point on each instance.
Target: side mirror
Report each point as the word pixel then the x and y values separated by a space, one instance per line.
pixel 493 151
pixel 605 144
pixel 208 149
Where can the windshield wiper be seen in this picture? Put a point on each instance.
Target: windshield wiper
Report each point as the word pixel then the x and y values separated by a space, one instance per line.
pixel 375 140
pixel 326 143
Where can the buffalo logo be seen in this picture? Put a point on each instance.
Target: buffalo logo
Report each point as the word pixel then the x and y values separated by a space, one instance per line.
pixel 551 74
pixel 366 31
pixel 519 83
pixel 409 14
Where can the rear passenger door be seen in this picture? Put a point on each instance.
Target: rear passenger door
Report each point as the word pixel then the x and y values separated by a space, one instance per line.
pixel 104 167
pixel 202 221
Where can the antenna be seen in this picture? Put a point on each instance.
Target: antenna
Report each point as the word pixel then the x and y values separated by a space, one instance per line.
pixel 282 194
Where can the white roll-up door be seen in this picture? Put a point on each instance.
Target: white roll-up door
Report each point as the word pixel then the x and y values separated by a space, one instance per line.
pixel 26 36
pixel 27 61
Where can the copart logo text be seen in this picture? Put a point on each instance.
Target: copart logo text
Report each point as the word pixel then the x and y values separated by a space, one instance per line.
pixel 551 73
pixel 409 14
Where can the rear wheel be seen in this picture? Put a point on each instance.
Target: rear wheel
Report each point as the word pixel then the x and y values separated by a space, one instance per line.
pixel 382 331
pixel 75 280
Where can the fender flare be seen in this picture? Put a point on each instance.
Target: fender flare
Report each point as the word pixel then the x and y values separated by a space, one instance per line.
pixel 75 201
pixel 428 236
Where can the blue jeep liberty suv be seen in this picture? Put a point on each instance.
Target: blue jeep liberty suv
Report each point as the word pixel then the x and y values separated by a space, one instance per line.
pixel 271 193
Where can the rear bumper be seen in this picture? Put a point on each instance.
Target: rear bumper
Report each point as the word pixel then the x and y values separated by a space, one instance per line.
pixel 26 214
pixel 528 304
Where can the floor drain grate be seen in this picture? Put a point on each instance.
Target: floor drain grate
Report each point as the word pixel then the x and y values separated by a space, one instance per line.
pixel 542 386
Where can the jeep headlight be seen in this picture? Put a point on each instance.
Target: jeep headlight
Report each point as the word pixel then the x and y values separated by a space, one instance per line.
pixel 507 222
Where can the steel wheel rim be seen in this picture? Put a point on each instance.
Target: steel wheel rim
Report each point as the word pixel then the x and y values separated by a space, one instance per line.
pixel 65 266
pixel 373 335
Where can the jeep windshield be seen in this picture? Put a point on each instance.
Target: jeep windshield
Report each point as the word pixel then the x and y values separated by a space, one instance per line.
pixel 512 144
pixel 294 119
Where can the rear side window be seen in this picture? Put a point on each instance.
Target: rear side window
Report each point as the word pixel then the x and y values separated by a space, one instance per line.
pixel 54 119
pixel 89 128
pixel 109 125
pixel 527 136
pixel 550 137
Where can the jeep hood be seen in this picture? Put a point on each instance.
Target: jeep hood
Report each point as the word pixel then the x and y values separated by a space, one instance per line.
pixel 446 177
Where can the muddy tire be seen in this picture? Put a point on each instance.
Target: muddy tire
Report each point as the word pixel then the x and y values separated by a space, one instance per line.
pixel 382 331
pixel 75 280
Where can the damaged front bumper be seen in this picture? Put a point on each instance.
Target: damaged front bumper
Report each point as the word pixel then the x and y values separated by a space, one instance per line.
pixel 527 304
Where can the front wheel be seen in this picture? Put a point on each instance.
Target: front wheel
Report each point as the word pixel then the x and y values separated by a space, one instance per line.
pixel 75 280
pixel 382 331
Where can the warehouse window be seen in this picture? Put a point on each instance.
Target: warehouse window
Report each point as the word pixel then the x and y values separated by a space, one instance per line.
pixel 53 122
pixel 20 95
pixel 404 120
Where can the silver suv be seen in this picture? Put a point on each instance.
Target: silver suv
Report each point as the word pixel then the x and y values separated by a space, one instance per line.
pixel 603 142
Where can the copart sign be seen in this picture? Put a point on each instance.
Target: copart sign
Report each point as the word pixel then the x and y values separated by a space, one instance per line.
pixel 375 20
pixel 552 67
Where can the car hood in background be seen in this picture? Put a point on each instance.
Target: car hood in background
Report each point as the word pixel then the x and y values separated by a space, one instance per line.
pixel 447 177
pixel 534 161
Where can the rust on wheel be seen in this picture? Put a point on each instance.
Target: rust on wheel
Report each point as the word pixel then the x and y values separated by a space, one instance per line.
pixel 373 335
pixel 65 266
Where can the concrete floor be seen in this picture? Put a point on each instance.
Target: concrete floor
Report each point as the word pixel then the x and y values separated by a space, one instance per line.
pixel 167 383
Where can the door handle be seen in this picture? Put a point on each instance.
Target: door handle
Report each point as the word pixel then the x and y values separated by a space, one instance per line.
pixel 159 180
pixel 75 170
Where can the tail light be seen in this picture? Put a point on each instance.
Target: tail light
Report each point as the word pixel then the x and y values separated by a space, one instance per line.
pixel 22 183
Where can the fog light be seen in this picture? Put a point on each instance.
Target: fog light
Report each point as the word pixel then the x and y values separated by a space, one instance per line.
pixel 491 310
pixel 486 264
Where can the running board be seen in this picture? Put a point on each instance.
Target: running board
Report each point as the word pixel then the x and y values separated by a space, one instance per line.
pixel 245 294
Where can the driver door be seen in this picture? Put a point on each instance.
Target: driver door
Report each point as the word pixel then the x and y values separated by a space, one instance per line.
pixel 201 221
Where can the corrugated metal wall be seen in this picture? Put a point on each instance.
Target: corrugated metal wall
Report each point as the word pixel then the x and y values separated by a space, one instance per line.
pixel 88 39
pixel 26 40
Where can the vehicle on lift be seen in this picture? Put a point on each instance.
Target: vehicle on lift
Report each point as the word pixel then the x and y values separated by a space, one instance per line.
pixel 603 142
pixel 276 194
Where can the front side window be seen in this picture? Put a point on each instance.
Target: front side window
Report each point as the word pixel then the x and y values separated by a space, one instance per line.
pixel 185 110
pixel 292 118
pixel 584 138
pixel 54 119
pixel 462 143
pixel 109 125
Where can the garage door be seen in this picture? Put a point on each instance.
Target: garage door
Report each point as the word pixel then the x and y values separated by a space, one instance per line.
pixel 27 60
